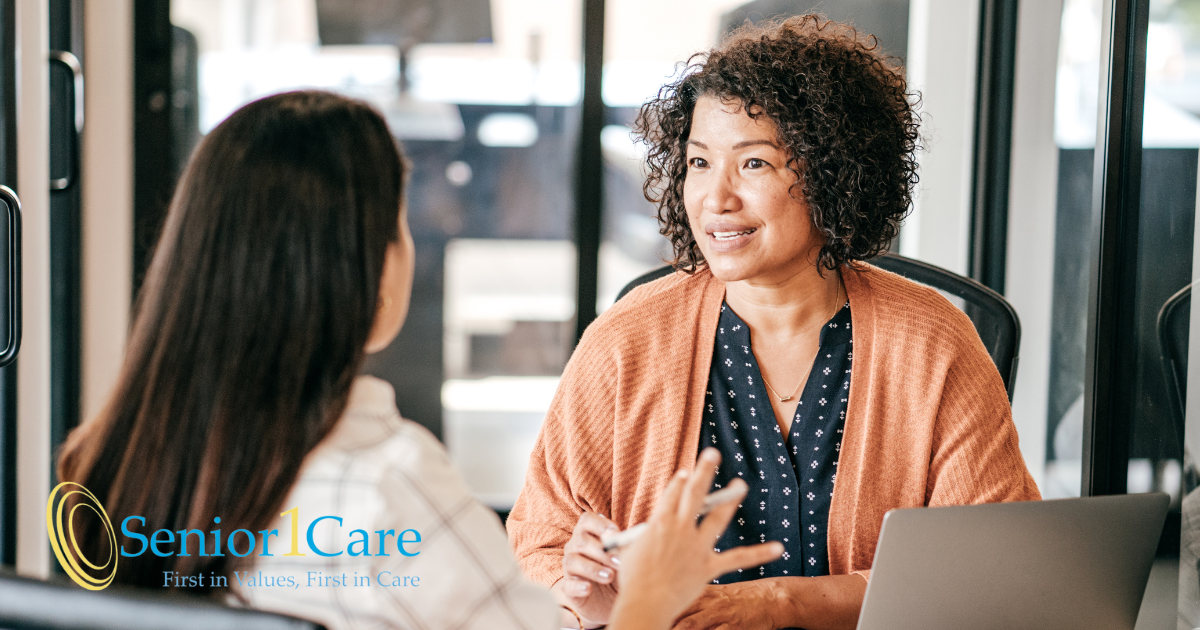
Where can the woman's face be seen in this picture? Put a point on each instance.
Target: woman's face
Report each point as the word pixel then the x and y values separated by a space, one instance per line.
pixel 738 201
pixel 395 287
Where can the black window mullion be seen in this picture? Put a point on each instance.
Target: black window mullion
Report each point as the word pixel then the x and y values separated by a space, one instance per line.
pixel 66 336
pixel 153 176
pixel 1111 357
pixel 589 174
pixel 993 141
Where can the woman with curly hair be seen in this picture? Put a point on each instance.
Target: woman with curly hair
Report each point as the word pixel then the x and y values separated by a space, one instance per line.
pixel 780 162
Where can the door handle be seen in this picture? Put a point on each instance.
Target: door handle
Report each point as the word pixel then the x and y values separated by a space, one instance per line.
pixel 12 206
pixel 71 62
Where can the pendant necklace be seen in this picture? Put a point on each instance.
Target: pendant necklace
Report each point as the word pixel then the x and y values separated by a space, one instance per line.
pixel 806 373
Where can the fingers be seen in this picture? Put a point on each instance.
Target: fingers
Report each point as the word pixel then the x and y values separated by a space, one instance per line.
pixel 576 588
pixel 718 519
pixel 668 503
pixel 694 620
pixel 594 524
pixel 744 558
pixel 699 483
pixel 577 566
pixel 585 541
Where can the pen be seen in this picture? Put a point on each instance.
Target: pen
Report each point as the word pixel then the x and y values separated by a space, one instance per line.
pixel 622 538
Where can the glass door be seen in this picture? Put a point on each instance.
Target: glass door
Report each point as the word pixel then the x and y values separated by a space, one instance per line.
pixel 1140 228
pixel 485 98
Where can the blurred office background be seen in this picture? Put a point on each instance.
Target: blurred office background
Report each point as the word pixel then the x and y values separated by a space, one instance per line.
pixel 526 206
pixel 489 111
pixel 486 96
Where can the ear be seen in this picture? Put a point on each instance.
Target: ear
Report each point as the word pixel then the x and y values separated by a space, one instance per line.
pixel 395 284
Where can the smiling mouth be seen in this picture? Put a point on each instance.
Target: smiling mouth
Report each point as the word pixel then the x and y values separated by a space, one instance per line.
pixel 728 236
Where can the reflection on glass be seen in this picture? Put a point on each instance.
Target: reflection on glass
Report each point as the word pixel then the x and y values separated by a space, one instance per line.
pixel 1075 102
pixel 484 95
pixel 1171 135
pixel 1161 459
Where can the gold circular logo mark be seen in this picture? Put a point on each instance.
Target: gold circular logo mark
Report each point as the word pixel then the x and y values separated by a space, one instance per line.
pixel 61 529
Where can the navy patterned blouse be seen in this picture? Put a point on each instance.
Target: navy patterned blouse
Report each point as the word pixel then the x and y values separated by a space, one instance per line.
pixel 790 477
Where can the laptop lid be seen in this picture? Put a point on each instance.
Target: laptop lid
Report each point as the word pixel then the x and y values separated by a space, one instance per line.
pixel 1038 565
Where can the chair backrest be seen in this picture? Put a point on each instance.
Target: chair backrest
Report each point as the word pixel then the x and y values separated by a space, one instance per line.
pixel 1174 319
pixel 994 318
pixel 28 604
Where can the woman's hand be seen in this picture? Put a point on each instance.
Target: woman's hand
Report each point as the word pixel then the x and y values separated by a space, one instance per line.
pixel 589 573
pixel 666 569
pixel 743 605
pixel 829 602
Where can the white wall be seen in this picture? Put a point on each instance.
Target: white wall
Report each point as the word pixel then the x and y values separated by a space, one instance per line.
pixel 1192 410
pixel 107 225
pixel 942 44
pixel 33 364
pixel 1032 197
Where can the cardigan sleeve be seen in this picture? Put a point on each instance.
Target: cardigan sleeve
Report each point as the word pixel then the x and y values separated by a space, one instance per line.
pixel 975 454
pixel 571 466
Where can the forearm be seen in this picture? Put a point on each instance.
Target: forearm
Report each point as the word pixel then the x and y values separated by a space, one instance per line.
pixel 830 602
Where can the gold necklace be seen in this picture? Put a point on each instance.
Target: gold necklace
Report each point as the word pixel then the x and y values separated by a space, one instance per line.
pixel 789 396
pixel 809 370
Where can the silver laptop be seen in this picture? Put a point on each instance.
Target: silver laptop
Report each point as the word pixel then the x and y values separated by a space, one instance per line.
pixel 1040 565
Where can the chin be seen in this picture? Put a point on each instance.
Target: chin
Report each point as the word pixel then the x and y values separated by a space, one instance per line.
pixel 732 271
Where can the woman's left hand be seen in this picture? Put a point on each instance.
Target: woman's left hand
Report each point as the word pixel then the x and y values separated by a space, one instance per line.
pixel 742 605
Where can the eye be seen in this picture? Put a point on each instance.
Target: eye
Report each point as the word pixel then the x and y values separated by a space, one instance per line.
pixel 755 163
pixel 698 162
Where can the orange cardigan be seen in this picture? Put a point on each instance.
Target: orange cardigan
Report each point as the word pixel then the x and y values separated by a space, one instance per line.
pixel 928 421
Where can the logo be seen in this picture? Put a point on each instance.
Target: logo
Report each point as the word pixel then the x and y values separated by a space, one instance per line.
pixel 60 510
pixel 68 497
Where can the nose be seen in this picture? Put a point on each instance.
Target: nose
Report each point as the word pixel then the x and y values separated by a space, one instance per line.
pixel 720 193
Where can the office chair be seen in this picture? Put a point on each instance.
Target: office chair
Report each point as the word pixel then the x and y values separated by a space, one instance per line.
pixel 994 318
pixel 28 604
pixel 1174 319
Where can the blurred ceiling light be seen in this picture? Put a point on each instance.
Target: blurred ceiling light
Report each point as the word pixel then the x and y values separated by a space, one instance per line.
pixel 458 173
pixel 623 151
pixel 508 130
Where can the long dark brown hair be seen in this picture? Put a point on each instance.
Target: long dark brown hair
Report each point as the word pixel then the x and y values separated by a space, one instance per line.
pixel 249 328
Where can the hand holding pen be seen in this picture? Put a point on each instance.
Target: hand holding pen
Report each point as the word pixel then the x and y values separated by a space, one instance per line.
pixel 590 561
pixel 615 540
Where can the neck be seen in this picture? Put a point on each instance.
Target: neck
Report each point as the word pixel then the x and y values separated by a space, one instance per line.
pixel 787 305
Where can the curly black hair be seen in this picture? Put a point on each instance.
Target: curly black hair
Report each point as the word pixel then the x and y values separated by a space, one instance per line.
pixel 843 113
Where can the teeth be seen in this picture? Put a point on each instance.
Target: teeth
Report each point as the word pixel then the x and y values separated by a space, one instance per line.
pixel 724 236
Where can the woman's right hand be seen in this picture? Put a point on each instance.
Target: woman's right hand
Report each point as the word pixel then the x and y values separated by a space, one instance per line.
pixel 589 584
pixel 667 568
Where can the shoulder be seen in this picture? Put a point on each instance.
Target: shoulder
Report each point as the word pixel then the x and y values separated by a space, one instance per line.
pixel 903 310
pixel 373 448
pixel 652 329
pixel 653 309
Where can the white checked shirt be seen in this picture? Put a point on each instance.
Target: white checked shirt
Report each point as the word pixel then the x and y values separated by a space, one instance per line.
pixel 378 471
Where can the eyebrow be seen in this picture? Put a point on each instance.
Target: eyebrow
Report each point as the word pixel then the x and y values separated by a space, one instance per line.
pixel 741 145
pixel 749 143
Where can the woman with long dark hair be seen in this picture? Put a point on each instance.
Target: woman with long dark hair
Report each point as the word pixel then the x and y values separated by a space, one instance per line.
pixel 284 259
